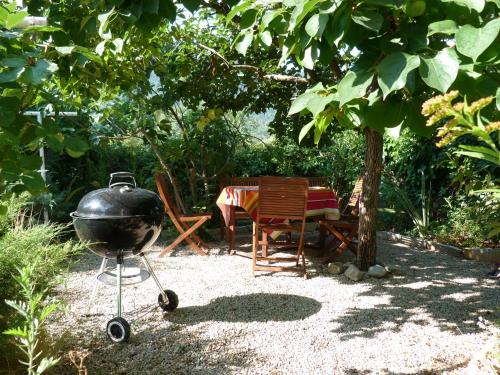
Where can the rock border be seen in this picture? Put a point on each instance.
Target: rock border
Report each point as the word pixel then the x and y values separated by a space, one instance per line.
pixel 479 254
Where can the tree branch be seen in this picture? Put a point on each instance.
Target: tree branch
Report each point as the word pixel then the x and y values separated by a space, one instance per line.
pixel 259 71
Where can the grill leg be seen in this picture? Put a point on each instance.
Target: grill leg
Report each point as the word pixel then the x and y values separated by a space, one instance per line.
pixel 96 285
pixel 150 269
pixel 119 261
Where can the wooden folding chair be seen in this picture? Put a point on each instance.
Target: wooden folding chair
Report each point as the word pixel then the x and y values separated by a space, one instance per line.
pixel 186 224
pixel 284 201
pixel 238 213
pixel 344 230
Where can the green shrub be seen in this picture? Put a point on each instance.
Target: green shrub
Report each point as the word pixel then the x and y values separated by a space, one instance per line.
pixel 14 205
pixel 42 245
pixel 33 311
pixel 465 225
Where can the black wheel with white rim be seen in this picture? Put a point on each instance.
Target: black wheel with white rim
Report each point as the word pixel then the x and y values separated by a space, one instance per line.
pixel 171 304
pixel 118 330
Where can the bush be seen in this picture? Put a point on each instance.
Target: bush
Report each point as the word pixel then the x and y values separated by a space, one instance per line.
pixel 41 245
pixel 466 224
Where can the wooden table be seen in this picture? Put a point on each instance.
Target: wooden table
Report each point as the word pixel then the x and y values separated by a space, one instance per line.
pixel 321 202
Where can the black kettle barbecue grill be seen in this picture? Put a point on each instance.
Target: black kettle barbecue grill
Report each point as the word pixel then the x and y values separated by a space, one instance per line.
pixel 119 222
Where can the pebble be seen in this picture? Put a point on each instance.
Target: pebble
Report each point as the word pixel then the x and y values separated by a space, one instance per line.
pixel 229 322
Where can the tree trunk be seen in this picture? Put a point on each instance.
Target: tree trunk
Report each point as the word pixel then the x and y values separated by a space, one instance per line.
pixel 367 232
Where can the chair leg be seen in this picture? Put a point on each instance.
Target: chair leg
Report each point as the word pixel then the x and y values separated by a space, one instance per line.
pixel 185 236
pixel 265 243
pixel 255 245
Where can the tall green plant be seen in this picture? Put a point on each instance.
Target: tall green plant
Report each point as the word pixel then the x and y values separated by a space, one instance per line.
pixel 460 119
pixel 33 313
pixel 420 216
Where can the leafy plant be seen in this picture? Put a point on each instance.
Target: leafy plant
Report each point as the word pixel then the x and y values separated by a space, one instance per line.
pixel 41 245
pixel 461 119
pixel 34 313
pixel 421 219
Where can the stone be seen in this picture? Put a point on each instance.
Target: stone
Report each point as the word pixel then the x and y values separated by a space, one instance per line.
pixel 395 270
pixel 377 271
pixel 335 268
pixel 486 255
pixel 353 273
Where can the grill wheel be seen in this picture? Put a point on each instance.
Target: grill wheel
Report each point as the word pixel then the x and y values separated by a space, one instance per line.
pixel 118 330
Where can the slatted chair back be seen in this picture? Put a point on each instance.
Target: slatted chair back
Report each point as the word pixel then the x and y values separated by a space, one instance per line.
pixel 171 208
pixel 319 181
pixel 186 224
pixel 352 206
pixel 282 198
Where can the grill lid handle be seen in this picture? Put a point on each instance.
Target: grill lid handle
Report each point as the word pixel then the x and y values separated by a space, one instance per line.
pixel 122 175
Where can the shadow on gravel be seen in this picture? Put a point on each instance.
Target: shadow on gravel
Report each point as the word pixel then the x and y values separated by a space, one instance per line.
pixel 257 307
pixel 433 288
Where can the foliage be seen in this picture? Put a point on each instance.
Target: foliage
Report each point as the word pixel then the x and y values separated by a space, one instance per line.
pixel 464 225
pixel 421 219
pixel 24 70
pixel 15 205
pixel 42 245
pixel 461 119
pixel 34 313
pixel 407 54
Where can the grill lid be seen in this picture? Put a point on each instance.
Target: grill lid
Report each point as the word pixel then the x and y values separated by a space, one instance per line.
pixel 121 199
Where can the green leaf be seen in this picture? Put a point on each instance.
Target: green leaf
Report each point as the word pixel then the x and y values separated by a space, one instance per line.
pixel 243 41
pixel 322 121
pixel 385 114
pixel 300 103
pixel 316 25
pixel 353 86
pixel 160 116
pixel 317 103
pixel 15 62
pixel 498 98
pixel 46 363
pixel 368 18
pixel 497 2
pixel 414 8
pixel 442 27
pixel 473 41
pixel 266 38
pixel 302 9
pixel 248 19
pixel 65 50
pixel 393 71
pixel 38 73
pixel 305 129
pixel 75 147
pixel 440 71
pixel 3 209
pixel 477 5
pixel 235 10
pixel 11 75
pixel 308 58
pixel 480 152
pixel 191 5
pixel 15 18
pixel 103 19
pixel 33 182
pixel 269 17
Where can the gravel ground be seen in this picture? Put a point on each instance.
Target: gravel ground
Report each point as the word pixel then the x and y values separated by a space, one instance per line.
pixel 421 321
